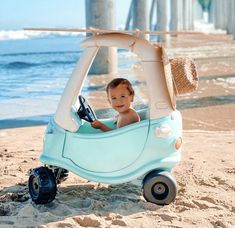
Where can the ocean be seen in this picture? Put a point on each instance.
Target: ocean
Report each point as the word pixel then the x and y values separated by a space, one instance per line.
pixel 33 74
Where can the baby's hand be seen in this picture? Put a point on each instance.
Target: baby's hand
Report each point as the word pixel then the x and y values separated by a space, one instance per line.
pixel 96 124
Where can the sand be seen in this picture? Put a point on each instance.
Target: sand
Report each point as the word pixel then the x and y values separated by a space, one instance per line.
pixel 205 175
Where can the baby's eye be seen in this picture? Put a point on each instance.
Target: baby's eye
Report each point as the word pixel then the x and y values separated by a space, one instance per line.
pixel 123 96
pixel 113 98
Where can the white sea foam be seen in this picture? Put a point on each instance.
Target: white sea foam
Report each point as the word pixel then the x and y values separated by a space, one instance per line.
pixel 202 26
pixel 199 26
pixel 23 34
pixel 230 83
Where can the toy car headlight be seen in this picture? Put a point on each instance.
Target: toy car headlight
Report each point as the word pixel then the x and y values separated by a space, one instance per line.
pixel 163 131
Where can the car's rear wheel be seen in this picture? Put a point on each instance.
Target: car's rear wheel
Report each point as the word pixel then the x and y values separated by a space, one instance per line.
pixel 159 187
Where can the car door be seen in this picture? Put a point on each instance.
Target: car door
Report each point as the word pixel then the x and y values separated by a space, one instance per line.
pixel 107 151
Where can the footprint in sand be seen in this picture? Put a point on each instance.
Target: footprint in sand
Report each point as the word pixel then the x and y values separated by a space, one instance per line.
pixel 208 199
pixel 202 204
pixel 118 222
pixel 219 224
pixel 87 222
pixel 219 180
pixel 168 218
pixel 224 183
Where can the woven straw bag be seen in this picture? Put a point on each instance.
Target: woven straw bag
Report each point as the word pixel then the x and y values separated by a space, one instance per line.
pixel 185 77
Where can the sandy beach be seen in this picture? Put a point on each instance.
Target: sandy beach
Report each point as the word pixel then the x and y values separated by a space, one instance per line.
pixel 205 175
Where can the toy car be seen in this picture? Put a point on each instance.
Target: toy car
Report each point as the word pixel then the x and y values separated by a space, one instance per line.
pixel 147 150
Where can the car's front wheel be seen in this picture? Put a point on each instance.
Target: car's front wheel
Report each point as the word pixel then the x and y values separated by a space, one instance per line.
pixel 42 185
pixel 60 174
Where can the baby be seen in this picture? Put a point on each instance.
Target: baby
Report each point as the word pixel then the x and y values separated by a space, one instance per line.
pixel 120 95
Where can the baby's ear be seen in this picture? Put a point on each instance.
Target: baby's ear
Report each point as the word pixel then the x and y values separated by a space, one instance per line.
pixel 132 97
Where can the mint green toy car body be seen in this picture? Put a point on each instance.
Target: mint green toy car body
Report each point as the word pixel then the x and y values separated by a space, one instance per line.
pixel 147 150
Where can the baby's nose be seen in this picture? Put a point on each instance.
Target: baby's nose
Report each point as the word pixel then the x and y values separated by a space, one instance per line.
pixel 119 101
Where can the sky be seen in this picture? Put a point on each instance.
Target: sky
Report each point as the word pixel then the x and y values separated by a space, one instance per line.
pixel 19 14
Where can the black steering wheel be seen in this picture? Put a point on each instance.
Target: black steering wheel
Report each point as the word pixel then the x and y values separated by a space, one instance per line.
pixel 85 111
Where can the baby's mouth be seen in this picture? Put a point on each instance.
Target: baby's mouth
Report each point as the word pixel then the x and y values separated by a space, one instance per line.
pixel 120 106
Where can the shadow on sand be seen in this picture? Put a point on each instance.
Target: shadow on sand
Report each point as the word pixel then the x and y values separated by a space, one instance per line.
pixel 71 201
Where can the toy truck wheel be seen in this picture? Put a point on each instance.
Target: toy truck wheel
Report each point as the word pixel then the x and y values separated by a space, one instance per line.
pixel 42 185
pixel 60 174
pixel 159 187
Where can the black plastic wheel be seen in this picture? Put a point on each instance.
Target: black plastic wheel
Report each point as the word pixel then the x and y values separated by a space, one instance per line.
pixel 60 174
pixel 159 187
pixel 42 185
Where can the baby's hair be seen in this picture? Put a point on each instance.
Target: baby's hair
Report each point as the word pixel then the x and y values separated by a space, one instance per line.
pixel 117 81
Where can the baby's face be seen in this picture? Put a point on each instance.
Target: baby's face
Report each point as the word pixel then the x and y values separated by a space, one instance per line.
pixel 120 98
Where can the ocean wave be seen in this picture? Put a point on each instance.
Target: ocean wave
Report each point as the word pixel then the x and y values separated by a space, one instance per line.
pixel 57 62
pixel 23 34
pixel 23 65
pixel 41 53
pixel 19 65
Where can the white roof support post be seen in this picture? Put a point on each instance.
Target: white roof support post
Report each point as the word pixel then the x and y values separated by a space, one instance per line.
pixel 63 116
